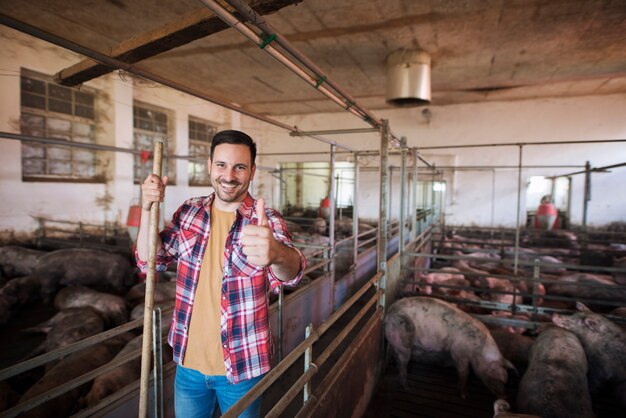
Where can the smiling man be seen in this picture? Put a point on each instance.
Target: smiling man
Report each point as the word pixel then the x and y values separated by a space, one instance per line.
pixel 229 248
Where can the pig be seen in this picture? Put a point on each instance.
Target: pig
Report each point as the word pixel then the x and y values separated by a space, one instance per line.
pixel 555 383
pixel 162 291
pixel 18 292
pixel 605 346
pixel 111 307
pixel 620 276
pixel 72 366
pixel 67 327
pixel 501 409
pixel 98 269
pixel 138 310
pixel 514 347
pixel 430 327
pixel 111 381
pixel 588 286
pixel 318 226
pixel 16 261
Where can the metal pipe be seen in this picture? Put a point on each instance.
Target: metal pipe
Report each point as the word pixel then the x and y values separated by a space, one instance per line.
pixel 382 217
pixel 149 296
pixel 293 391
pixel 519 203
pixel 330 349
pixel 335 131
pixel 291 358
pixel 493 196
pixel 281 304
pixel 157 356
pixel 265 26
pixel 414 195
pixel 355 212
pixel 505 144
pixel 595 169
pixel 308 359
pixel 72 348
pixel 403 197
pixel 331 232
pixel 239 26
pixel 586 198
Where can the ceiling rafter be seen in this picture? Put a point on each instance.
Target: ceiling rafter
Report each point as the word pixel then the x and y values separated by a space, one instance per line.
pixel 180 31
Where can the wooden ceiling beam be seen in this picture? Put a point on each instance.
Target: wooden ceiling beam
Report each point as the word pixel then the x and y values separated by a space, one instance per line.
pixel 195 25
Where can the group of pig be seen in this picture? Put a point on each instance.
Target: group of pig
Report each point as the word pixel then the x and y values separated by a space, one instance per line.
pixel 92 291
pixel 578 356
pixel 478 273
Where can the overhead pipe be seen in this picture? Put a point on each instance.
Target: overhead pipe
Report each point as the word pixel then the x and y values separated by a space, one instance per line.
pixel 115 63
pixel 594 169
pixel 259 21
pixel 508 144
pixel 239 26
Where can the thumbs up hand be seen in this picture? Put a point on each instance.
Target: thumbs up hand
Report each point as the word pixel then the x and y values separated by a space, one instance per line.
pixel 259 244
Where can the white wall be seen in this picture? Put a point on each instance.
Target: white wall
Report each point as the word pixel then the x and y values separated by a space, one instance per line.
pixel 470 195
pixel 473 193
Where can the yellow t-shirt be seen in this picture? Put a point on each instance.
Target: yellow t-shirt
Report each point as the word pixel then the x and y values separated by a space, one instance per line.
pixel 204 346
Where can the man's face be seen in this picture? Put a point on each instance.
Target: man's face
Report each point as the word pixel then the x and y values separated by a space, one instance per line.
pixel 231 171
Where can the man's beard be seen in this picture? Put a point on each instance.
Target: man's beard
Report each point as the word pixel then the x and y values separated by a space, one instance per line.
pixel 238 191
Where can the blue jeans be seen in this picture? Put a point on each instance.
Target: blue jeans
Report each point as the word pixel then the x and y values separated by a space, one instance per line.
pixel 195 394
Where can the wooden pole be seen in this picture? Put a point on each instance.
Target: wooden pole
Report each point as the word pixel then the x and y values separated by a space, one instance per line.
pixel 149 299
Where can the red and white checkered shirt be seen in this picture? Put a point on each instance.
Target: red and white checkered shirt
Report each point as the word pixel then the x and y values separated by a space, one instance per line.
pixel 246 339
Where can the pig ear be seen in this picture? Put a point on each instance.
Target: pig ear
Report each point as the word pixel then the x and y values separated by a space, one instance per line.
pixel 592 323
pixel 581 307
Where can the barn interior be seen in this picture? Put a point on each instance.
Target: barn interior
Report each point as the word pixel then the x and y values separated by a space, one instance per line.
pixel 471 152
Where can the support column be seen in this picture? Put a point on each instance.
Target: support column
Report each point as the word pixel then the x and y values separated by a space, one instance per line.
pixel 383 205
pixel 403 197
pixel 331 224
pixel 519 203
pixel 355 212
pixel 414 195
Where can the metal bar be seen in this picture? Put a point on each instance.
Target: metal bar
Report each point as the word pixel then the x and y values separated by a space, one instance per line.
pixel 239 26
pixel 504 144
pixel 595 169
pixel 382 217
pixel 281 304
pixel 64 351
pixel 293 391
pixel 265 26
pixel 403 197
pixel 335 131
pixel 308 359
pixel 149 297
pixel 324 326
pixel 331 232
pixel 67 386
pixel 587 196
pixel 355 212
pixel 519 203
pixel 414 195
pixel 330 349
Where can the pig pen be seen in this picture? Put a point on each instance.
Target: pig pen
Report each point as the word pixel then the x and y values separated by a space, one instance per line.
pixel 312 302
pixel 515 292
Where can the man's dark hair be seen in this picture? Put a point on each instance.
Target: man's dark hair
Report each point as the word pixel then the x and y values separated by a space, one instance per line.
pixel 236 138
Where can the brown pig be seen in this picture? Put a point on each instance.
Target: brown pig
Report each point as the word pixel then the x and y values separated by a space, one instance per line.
pixel 605 346
pixel 427 327
pixel 555 383
pixel 111 307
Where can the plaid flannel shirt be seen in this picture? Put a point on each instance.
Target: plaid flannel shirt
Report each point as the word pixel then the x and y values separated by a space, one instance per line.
pixel 246 338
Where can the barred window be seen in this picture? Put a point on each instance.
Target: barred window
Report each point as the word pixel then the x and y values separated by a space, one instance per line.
pixel 152 124
pixel 201 134
pixel 52 111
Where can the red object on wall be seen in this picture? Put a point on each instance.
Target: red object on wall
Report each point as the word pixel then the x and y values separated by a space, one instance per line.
pixel 544 212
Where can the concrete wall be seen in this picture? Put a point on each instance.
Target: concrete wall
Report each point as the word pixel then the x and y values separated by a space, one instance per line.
pixel 473 197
